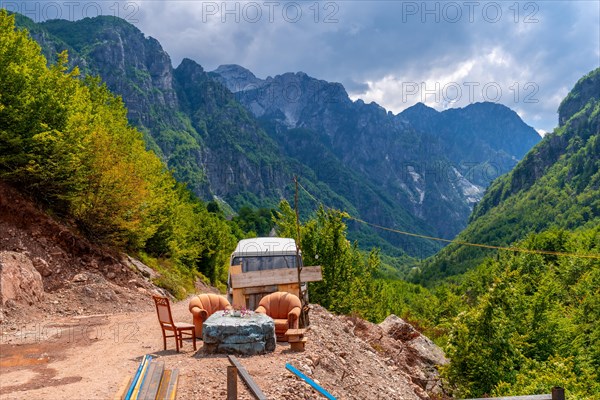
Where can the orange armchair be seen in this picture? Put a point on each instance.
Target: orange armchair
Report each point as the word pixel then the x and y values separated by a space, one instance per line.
pixel 205 305
pixel 284 308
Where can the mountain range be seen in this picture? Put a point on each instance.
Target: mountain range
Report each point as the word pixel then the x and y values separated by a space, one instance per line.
pixel 79 186
pixel 239 140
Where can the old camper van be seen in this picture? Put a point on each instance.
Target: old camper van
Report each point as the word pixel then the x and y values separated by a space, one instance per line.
pixel 261 254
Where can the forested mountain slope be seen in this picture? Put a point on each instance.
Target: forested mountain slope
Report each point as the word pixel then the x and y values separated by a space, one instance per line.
pixel 520 322
pixel 556 185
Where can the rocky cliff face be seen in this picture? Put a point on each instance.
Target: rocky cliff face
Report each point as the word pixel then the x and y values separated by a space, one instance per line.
pixel 238 156
pixel 188 119
pixel 131 64
pixel 586 89
pixel 140 71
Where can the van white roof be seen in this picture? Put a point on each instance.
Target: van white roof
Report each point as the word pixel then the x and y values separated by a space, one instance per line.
pixel 265 246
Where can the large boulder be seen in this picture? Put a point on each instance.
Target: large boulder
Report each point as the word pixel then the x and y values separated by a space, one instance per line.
pixel 19 280
pixel 424 347
pixel 139 266
pixel 420 357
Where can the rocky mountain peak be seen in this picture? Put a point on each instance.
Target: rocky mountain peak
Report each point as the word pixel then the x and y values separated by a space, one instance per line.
pixel 500 110
pixel 483 139
pixel 283 97
pixel 585 89
pixel 191 69
pixel 236 78
pixel 418 110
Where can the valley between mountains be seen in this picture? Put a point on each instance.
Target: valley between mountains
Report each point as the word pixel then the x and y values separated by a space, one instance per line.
pixel 122 176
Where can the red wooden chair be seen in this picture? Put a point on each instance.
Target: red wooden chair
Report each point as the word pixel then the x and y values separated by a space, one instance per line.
pixel 165 318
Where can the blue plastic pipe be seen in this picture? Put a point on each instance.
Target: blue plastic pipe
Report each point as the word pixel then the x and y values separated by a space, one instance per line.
pixel 306 379
pixel 136 377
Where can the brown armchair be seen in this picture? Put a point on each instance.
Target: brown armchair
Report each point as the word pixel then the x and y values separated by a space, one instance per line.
pixel 284 308
pixel 205 305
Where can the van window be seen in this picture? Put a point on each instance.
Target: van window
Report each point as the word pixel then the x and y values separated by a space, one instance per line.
pixel 263 263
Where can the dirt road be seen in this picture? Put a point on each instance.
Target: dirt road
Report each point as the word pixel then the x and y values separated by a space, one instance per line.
pixel 87 357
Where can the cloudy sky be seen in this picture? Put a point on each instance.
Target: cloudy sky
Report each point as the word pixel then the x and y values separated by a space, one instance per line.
pixel 526 55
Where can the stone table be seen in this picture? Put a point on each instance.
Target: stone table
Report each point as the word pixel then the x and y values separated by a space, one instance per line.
pixel 248 335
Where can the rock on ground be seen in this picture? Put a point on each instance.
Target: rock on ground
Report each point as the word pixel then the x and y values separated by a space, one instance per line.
pixel 405 349
pixel 74 275
pixel 19 280
pixel 249 335
pixel 424 348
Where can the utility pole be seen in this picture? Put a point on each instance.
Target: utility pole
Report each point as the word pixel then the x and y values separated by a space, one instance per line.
pixel 304 321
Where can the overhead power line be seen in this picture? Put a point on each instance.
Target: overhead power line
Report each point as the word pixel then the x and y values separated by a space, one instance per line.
pixel 457 242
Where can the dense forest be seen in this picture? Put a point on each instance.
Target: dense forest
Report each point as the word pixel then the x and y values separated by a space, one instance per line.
pixel 519 323
pixel 512 322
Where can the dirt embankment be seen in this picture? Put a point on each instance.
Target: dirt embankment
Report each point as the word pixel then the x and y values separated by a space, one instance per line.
pixel 78 277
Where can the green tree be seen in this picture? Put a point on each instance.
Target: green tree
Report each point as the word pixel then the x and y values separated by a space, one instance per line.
pixel 534 326
pixel 348 275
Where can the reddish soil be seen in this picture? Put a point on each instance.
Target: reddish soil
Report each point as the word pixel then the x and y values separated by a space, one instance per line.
pixel 79 277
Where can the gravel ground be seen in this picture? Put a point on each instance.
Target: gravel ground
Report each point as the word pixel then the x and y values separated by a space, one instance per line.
pixel 87 357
